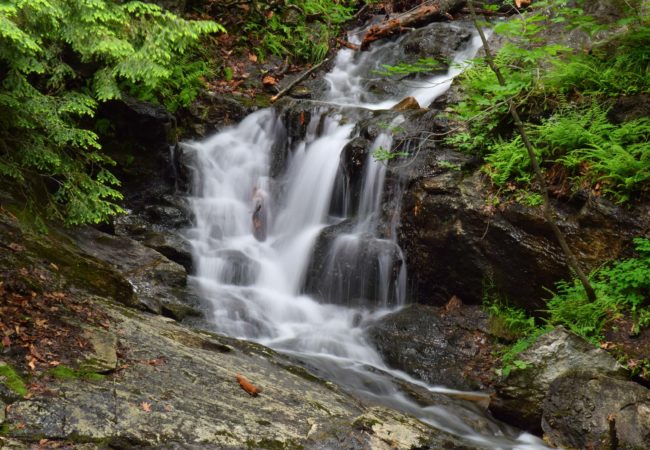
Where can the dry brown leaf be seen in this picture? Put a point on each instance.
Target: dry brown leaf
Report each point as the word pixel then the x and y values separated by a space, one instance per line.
pixel 269 81
pixel 146 407
pixel 6 342
pixel 16 247
pixel 252 57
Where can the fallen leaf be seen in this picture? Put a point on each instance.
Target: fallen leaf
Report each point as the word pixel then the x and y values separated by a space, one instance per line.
pixel 6 342
pixel 40 322
pixel 54 266
pixel 269 81
pixel 169 408
pixel 32 363
pixel 252 57
pixel 54 363
pixel 146 407
pixel 246 385
pixel 16 247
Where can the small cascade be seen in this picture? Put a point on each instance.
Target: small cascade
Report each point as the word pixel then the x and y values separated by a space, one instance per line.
pixel 286 258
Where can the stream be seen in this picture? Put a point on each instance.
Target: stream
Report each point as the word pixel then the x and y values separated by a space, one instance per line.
pixel 254 238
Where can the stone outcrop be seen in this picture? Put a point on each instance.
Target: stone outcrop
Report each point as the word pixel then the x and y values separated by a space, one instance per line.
pixel 442 346
pixel 520 395
pixel 177 387
pixel 456 240
pixel 591 410
pixel 158 284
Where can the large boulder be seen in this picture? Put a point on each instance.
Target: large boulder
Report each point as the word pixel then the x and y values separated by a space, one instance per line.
pixel 158 284
pixel 354 269
pixel 442 346
pixel 178 389
pixel 591 410
pixel 456 239
pixel 520 395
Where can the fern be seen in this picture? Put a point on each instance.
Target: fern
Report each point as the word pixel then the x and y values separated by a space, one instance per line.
pixel 59 59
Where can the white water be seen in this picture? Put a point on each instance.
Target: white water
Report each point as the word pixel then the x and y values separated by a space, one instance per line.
pixel 255 286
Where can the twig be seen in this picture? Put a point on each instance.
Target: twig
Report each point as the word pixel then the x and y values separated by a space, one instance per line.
pixel 284 91
pixel 547 211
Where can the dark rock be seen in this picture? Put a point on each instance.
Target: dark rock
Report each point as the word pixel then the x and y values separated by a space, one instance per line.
pixel 579 406
pixel 351 167
pixel 455 241
pixel 519 396
pixel 629 108
pixel 353 269
pixel 238 268
pixel 450 348
pixel 171 245
pixel 437 40
pixel 141 144
pixel 153 277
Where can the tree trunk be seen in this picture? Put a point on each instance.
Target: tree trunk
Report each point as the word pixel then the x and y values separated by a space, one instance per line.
pixel 425 13
pixel 547 208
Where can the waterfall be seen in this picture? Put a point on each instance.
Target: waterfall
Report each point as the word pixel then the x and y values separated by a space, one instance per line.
pixel 278 266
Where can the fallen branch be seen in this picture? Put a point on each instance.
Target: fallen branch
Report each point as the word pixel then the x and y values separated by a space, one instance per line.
pixel 347 44
pixel 284 91
pixel 425 13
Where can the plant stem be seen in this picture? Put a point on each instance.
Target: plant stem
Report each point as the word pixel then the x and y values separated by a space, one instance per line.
pixel 547 209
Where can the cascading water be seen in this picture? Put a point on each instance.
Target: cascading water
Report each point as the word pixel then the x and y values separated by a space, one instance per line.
pixel 254 240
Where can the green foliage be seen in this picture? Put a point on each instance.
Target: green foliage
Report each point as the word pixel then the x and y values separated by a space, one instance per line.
pixel 565 94
pixel 624 285
pixel 11 380
pixel 423 65
pixel 58 60
pixel 66 373
pixel 382 155
pixel 583 140
pixel 301 28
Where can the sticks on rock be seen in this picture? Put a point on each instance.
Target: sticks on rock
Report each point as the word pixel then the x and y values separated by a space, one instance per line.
pixel 425 13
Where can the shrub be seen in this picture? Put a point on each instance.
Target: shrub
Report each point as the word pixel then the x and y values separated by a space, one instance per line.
pixel 58 60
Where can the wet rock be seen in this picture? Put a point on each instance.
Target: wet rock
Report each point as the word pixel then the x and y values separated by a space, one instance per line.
pixel 455 239
pixel 179 391
pixel 520 395
pixel 580 406
pixel 213 111
pixel 353 269
pixel 450 348
pixel 238 268
pixel 438 41
pixel 141 144
pixel 154 278
pixel 171 245
pixel 351 167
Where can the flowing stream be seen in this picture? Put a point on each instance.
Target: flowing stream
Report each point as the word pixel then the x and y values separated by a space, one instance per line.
pixel 254 241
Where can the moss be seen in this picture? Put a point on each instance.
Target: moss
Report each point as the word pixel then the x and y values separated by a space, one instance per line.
pixel 303 373
pixel 273 444
pixel 365 423
pixel 12 380
pixel 67 373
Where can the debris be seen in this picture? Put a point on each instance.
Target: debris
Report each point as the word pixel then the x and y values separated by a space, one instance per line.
pixel 248 386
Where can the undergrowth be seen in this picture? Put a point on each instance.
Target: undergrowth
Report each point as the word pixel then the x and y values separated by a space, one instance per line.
pixel 564 96
pixel 622 287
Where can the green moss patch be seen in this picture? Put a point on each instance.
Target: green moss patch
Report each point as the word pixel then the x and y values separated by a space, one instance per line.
pixel 10 378
pixel 67 373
